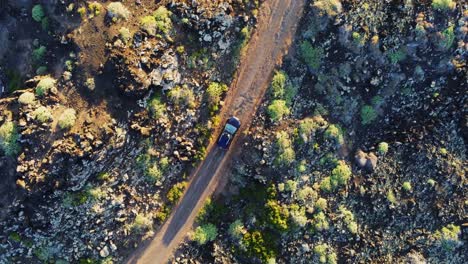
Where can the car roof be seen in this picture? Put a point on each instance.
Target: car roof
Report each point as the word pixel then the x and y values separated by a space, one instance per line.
pixel 234 121
pixel 224 139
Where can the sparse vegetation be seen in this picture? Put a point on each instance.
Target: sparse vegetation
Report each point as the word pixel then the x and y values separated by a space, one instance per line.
pixel 176 192
pixel 182 96
pixel 26 98
pixel 447 237
pixel 213 94
pixel 125 35
pixel 312 56
pixel 277 110
pixel 205 233
pixel 285 154
pixel 46 84
pixel 141 223
pixel 42 114
pixel 67 119
pixel 38 13
pixel 117 11
pixel 382 148
pixel 443 5
pixel 38 54
pixel 368 114
pixel 157 108
pixel 9 138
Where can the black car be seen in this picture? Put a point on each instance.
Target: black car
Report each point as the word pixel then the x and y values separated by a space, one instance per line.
pixel 230 129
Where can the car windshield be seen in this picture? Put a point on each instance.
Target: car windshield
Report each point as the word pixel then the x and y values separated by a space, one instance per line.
pixel 230 128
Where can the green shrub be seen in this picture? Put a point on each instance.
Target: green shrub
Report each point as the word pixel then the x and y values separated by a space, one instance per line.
pixel 153 173
pixel 320 222
pixel 41 70
pixel 359 39
pixel 443 5
pixel 325 254
pixel 447 38
pixel 176 192
pixel 42 114
pixel 382 148
pixel 341 173
pixel 321 204
pixel 213 94
pixel 14 80
pixel 90 84
pixel 45 23
pixel 348 218
pixel 67 119
pixel 163 214
pixel 391 197
pixel 117 11
pixel 368 114
pixel 407 186
pixel 95 8
pixel 241 46
pixel 334 133
pixel 38 54
pixel 339 176
pixel 96 193
pixel 311 56
pixel 291 186
pixel 278 84
pixel 82 12
pixel 308 126
pixel 9 139
pixel 157 108
pixel 163 20
pixel 141 223
pixel 125 35
pixel 277 215
pixel 298 215
pixel 26 98
pixel 447 237
pixel 397 55
pixel 160 21
pixel 326 184
pixel 182 96
pixel 205 233
pixel 103 176
pixel 45 85
pixel 148 24
pixel 258 246
pixel 285 154
pixel 307 196
pixel 38 13
pixel 236 229
pixel 277 110
pixel 329 7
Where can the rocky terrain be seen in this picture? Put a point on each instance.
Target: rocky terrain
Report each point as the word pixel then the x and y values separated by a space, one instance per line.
pixel 358 152
pixel 105 106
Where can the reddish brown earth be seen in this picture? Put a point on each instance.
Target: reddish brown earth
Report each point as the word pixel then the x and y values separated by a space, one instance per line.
pixel 277 23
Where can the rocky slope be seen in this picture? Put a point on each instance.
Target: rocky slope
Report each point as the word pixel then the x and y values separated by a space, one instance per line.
pixel 358 154
pixel 107 106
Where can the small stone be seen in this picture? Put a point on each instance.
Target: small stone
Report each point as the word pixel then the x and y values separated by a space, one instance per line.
pixel 104 252
pixel 113 247
pixel 207 38
pixel 371 162
pixel 360 158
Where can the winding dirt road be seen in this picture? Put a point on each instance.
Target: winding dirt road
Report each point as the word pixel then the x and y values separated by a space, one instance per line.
pixel 278 20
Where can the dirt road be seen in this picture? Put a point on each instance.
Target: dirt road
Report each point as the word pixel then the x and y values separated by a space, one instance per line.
pixel 277 24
